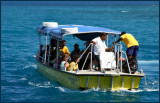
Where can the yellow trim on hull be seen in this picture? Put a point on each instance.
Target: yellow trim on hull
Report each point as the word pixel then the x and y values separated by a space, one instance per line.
pixel 117 83
pixel 74 81
pixel 136 82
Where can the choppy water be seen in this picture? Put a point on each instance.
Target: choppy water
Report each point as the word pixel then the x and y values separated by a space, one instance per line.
pixel 20 80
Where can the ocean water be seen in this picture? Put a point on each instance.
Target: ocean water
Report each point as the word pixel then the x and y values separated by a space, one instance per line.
pixel 20 80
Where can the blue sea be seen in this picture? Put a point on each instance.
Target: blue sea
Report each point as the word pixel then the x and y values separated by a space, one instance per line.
pixel 20 80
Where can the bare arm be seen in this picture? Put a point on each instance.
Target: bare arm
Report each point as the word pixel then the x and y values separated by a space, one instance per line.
pixel 93 42
pixel 108 49
pixel 117 40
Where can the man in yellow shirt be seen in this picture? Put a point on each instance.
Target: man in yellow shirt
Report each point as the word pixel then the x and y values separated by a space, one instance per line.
pixel 64 48
pixel 131 43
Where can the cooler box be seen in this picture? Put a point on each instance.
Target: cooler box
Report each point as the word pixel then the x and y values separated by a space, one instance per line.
pixel 107 60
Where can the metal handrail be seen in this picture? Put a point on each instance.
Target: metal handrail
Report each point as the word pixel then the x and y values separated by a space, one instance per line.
pixel 81 56
pixel 120 49
pixel 40 57
pixel 86 60
pixel 48 61
pixel 127 63
pixel 46 51
pixel 121 56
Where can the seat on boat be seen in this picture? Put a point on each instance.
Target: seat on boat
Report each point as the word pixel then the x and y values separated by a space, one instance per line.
pixel 107 60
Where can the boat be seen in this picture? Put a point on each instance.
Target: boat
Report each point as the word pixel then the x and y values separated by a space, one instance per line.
pixel 111 79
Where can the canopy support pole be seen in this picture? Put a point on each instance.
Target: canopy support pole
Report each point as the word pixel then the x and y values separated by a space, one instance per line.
pixel 39 43
pixel 91 57
pixel 107 41
pixel 57 50
pixel 46 51
pixel 115 47
pixel 118 56
pixel 49 48
pixel 121 55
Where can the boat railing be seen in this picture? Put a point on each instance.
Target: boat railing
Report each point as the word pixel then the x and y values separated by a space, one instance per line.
pixel 118 48
pixel 127 62
pixel 77 60
pixel 48 61
pixel 90 45
pixel 86 60
pixel 40 57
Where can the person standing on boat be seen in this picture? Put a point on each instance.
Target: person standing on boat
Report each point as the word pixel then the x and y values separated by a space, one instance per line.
pixel 100 46
pixel 131 43
pixel 64 48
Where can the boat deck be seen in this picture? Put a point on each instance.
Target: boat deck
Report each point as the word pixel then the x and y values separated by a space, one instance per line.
pixel 109 73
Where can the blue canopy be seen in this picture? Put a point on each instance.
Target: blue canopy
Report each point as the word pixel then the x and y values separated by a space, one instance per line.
pixel 85 33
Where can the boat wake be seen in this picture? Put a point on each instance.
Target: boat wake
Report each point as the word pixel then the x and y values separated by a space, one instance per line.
pixel 122 90
pixel 124 11
pixel 48 84
pixel 62 89
pixel 151 90
pixel 43 85
pixel 23 79
pixel 148 62
pixel 30 65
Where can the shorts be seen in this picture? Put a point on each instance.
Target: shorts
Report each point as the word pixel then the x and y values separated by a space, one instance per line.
pixel 132 51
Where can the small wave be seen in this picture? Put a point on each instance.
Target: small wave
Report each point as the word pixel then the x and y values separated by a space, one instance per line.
pixel 96 89
pixel 61 89
pixel 148 62
pixel 151 90
pixel 136 90
pixel 120 90
pixel 90 90
pixel 44 85
pixel 32 65
pixel 23 79
pixel 124 11
pixel 125 90
pixel 153 83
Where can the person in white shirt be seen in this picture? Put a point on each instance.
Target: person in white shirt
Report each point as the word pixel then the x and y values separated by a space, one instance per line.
pixel 100 46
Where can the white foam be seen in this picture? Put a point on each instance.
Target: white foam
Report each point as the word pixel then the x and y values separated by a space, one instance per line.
pixel 124 11
pixel 148 62
pixel 120 90
pixel 30 65
pixel 23 79
pixel 61 89
pixel 44 85
pixel 153 83
pixel 151 90
pixel 135 90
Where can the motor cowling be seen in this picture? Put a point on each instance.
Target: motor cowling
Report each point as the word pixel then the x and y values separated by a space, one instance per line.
pixel 133 63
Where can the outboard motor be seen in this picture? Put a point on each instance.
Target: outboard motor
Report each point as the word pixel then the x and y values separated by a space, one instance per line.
pixel 133 63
